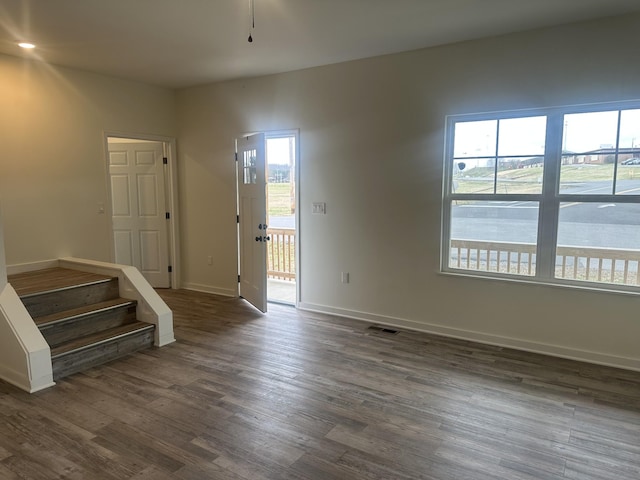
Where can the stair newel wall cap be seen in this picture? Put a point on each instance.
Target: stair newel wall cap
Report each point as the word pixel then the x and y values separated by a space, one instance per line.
pixel 3 262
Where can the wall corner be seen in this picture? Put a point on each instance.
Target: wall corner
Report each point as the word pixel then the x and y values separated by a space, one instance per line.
pixel 3 262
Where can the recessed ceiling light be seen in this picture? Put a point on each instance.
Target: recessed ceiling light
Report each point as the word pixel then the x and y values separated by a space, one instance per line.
pixel 26 45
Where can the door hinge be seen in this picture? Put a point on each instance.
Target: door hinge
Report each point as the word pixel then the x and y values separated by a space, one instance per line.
pixel 170 269
pixel 238 278
pixel 237 218
pixel 165 160
pixel 236 156
pixel 167 215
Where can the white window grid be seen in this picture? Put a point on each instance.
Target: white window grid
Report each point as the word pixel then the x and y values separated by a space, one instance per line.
pixel 549 200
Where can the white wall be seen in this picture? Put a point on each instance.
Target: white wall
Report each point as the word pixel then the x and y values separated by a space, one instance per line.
pixel 53 167
pixel 371 147
pixel 3 262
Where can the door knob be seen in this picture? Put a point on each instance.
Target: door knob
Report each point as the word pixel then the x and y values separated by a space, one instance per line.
pixel 258 239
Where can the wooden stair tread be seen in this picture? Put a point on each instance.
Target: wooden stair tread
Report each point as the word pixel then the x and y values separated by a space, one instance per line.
pixel 98 338
pixel 51 280
pixel 82 311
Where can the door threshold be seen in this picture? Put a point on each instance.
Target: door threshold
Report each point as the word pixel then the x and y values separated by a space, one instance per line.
pixel 282 302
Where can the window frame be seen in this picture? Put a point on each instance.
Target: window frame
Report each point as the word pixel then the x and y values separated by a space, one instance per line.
pixel 549 199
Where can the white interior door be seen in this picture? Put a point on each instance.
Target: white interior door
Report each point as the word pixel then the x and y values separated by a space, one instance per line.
pixel 252 227
pixel 138 207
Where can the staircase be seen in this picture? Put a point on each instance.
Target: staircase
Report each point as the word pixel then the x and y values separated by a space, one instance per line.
pixel 82 317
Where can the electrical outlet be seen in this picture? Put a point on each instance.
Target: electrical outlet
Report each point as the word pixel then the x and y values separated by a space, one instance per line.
pixel 344 277
pixel 209 260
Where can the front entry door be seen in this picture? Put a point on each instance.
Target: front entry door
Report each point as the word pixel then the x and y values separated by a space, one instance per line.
pixel 138 208
pixel 252 228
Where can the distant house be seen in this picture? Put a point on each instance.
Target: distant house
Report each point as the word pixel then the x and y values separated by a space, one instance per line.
pixel 600 156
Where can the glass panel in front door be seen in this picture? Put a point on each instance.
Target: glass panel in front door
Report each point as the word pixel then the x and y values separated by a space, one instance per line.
pixel 249 167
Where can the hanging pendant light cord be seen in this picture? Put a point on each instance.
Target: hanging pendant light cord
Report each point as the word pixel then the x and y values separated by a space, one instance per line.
pixel 253 19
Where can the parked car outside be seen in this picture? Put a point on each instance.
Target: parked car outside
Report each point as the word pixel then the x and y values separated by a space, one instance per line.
pixel 631 161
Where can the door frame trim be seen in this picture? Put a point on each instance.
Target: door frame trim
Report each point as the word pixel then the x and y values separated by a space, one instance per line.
pixel 295 132
pixel 274 134
pixel 171 185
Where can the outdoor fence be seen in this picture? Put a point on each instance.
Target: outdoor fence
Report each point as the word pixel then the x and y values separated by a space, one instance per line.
pixel 576 263
pixel 281 254
pixel 501 257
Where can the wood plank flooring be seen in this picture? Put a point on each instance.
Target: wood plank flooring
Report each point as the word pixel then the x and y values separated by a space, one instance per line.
pixel 296 395
pixel 51 279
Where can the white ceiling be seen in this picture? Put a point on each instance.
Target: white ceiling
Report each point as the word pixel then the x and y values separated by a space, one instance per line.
pixel 179 43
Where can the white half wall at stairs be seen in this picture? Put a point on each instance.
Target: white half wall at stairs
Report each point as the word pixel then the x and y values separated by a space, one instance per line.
pixel 25 357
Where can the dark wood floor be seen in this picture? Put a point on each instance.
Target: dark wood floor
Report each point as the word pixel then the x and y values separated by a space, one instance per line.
pixel 51 279
pixel 294 395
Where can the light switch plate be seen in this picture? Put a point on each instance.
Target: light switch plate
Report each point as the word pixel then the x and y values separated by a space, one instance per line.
pixel 319 208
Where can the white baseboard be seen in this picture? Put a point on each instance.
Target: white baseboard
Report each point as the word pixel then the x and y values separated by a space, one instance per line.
pixel 489 339
pixel 196 287
pixel 17 379
pixel 30 267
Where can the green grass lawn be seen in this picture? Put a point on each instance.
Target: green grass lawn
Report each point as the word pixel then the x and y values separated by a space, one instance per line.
pixel 280 199
pixel 529 180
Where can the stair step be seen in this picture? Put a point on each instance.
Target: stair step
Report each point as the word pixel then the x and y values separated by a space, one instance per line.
pixel 40 281
pixel 101 347
pixel 56 300
pixel 63 326
pixel 83 311
pixel 98 338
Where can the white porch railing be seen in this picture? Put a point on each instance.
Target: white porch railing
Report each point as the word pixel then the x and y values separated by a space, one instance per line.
pixel 598 264
pixel 577 263
pixel 517 258
pixel 281 254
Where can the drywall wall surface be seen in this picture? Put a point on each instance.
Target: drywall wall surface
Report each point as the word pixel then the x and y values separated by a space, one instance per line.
pixel 3 262
pixel 53 167
pixel 371 147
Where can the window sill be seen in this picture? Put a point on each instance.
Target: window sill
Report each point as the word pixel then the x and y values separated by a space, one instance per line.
pixel 587 287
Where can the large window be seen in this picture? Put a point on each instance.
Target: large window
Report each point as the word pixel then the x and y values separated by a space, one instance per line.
pixel 549 195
